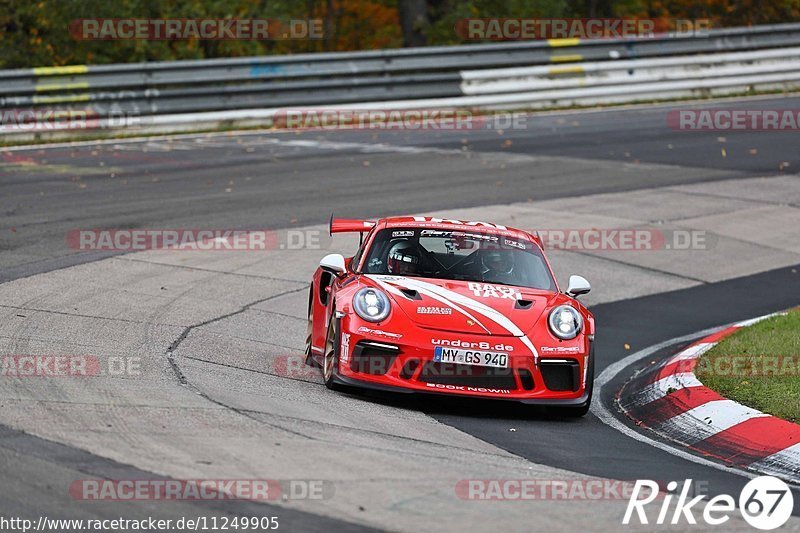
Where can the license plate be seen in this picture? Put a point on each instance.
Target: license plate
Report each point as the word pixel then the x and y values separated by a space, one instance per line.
pixel 470 357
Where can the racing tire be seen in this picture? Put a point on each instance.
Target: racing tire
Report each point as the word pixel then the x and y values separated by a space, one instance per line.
pixel 330 361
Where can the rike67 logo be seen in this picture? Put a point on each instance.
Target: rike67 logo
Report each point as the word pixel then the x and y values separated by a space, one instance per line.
pixel 765 503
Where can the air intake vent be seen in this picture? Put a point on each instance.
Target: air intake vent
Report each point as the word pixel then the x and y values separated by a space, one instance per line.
pixel 525 378
pixel 561 375
pixel 523 304
pixel 411 294
pixel 409 368
pixel 373 358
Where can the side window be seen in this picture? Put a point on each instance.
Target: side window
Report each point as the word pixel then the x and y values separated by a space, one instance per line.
pixel 360 252
pixel 356 259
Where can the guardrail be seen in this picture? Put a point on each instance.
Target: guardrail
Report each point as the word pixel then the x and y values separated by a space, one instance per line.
pixel 504 75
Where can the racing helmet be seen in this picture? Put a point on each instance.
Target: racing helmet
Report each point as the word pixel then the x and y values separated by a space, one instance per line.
pixel 498 261
pixel 404 258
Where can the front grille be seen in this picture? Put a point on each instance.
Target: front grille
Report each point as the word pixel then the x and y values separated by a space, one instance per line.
pixel 468 376
pixel 561 375
pixel 410 366
pixel 373 358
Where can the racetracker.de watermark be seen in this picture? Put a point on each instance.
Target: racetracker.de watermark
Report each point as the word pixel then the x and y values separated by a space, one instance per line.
pixel 206 239
pixel 200 489
pixel 734 119
pixel 260 240
pixel 522 29
pixel 397 119
pixel 623 239
pixel 114 29
pixel 544 489
pixel 743 365
pixel 52 119
pixel 295 367
pixel 67 366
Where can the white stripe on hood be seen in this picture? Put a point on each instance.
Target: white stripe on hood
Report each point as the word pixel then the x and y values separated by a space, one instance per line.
pixel 490 313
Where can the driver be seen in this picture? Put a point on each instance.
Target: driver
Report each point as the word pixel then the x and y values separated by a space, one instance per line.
pixel 498 266
pixel 404 259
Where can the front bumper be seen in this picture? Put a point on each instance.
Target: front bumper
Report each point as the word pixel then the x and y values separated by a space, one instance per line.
pixel 555 402
pixel 378 363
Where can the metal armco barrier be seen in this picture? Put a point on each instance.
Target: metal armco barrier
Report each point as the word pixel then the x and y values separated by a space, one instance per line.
pixel 520 75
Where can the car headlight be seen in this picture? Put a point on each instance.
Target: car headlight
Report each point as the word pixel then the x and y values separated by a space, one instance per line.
pixel 565 322
pixel 371 304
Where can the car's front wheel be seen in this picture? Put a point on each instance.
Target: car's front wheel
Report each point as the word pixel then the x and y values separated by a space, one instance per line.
pixel 331 358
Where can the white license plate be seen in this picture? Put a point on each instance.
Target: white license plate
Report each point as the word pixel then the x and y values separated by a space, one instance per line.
pixel 470 357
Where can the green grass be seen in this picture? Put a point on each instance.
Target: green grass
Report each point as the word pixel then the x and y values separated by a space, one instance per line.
pixel 758 366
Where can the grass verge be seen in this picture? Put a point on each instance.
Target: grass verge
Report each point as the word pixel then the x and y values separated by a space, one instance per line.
pixel 758 366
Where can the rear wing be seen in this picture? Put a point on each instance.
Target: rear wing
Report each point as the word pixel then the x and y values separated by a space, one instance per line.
pixel 350 225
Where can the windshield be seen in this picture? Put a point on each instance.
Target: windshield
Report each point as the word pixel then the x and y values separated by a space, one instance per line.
pixel 458 255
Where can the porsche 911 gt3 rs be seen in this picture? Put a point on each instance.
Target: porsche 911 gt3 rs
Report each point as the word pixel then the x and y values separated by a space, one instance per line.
pixel 464 308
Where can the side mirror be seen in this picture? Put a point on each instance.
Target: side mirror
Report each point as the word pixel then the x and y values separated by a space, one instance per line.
pixel 577 286
pixel 333 263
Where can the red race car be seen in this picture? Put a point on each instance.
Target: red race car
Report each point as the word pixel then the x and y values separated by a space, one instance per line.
pixel 444 306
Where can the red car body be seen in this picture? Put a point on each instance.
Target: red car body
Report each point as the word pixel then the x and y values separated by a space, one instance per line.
pixel 435 321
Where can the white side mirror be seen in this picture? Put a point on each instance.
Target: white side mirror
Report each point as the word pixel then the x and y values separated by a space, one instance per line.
pixel 577 286
pixel 333 263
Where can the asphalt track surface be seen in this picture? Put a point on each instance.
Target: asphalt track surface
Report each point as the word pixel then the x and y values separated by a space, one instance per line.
pixel 284 180
pixel 277 181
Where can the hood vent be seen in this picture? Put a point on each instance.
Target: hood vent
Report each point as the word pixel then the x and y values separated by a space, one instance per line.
pixel 411 294
pixel 523 304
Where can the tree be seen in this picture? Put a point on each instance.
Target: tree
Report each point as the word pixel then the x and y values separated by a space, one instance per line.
pixel 414 21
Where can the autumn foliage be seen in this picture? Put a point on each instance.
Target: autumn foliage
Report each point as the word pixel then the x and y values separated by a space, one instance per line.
pixel 36 33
